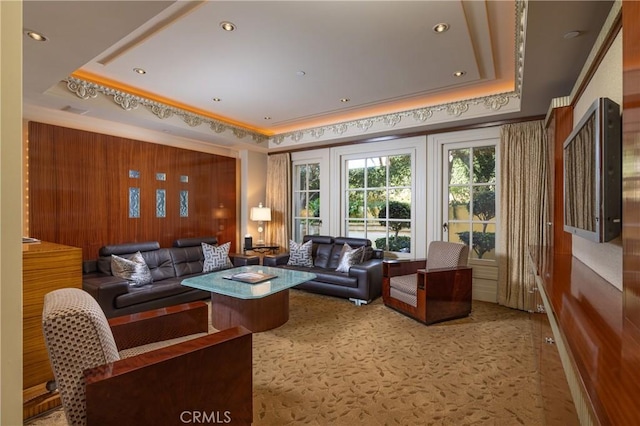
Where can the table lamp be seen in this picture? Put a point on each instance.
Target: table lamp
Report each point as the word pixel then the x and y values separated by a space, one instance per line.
pixel 260 214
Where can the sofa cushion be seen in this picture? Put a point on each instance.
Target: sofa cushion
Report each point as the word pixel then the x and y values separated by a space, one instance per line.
pixel 160 264
pixel 187 260
pixel 216 257
pixel 349 257
pixel 300 254
pixel 134 270
pixel 335 278
pixel 157 290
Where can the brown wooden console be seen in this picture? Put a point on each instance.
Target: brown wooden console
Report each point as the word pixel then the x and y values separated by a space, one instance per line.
pixel 599 346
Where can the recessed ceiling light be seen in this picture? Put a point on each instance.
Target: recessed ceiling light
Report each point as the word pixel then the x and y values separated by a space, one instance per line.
pixel 572 34
pixel 300 73
pixel 139 71
pixel 216 99
pixel 227 26
pixel 441 27
pixel 36 36
pixel 343 100
pixel 459 73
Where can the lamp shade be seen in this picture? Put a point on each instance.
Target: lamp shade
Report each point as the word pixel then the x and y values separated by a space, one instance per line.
pixel 260 214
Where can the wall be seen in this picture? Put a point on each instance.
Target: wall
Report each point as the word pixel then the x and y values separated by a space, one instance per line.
pixel 253 189
pixel 605 258
pixel 79 190
pixel 10 213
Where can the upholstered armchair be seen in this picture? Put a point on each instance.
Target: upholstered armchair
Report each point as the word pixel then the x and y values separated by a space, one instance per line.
pixel 430 290
pixel 209 375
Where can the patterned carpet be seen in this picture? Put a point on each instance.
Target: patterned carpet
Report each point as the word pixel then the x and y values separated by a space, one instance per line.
pixel 335 363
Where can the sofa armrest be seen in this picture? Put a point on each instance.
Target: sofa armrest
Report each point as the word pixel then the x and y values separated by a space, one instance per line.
pixel 211 374
pixel 105 288
pixel 369 275
pixel 275 259
pixel 160 324
pixel 239 259
pixel 393 268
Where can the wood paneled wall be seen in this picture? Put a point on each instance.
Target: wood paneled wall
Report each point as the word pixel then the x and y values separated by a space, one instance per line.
pixel 631 160
pixel 79 190
pixel 560 127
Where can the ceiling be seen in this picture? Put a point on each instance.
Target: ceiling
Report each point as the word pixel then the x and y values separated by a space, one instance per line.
pixel 296 74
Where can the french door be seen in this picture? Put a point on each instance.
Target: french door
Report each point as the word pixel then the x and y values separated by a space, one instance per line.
pixel 470 207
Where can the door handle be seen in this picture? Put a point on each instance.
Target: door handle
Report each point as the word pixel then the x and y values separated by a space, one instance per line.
pixel 445 227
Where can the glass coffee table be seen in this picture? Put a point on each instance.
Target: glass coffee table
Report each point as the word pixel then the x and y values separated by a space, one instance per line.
pixel 258 307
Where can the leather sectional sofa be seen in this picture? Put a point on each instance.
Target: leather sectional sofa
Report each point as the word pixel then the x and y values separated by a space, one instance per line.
pixel 363 282
pixel 168 266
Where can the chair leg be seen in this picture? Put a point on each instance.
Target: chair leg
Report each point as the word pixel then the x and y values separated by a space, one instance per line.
pixel 358 302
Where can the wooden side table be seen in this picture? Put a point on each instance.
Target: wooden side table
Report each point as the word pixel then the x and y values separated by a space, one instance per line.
pixel 270 248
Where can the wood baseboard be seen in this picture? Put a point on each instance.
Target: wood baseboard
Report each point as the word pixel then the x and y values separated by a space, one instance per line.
pixel 37 400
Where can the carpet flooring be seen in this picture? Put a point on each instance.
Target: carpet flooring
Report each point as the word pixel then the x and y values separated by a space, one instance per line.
pixel 334 363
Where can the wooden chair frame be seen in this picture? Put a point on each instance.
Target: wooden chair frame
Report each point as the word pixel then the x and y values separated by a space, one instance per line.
pixel 442 294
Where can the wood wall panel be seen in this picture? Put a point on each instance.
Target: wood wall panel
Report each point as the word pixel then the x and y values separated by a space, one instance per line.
pixel 79 190
pixel 631 160
pixel 560 128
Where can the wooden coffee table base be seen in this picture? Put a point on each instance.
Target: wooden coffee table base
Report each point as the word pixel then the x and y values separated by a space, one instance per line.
pixel 256 315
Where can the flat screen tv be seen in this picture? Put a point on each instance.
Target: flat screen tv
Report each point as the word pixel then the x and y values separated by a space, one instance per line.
pixel 593 174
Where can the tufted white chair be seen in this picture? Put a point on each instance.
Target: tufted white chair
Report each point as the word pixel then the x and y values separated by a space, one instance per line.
pixel 432 290
pixel 99 386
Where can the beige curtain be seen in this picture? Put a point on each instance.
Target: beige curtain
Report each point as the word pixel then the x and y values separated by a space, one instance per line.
pixel 524 206
pixel 278 198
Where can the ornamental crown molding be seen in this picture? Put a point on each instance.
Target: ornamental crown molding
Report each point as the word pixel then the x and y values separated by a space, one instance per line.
pixel 86 90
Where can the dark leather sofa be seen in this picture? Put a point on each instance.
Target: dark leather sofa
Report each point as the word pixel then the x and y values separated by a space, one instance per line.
pixel 168 266
pixel 363 282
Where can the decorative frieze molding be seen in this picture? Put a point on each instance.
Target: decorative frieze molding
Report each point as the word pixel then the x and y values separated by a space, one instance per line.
pixel 419 116
pixel 87 90
pixel 416 116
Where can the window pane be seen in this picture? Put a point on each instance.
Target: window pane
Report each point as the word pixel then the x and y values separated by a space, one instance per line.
pixel 400 170
pixel 484 202
pixel 300 229
pixel 400 195
pixel 300 204
pixel 459 232
pixel 484 165
pixel 302 177
pixel 356 204
pixel 459 172
pixel 314 176
pixel 356 173
pixel 376 172
pixel 313 207
pixel 377 233
pixel 483 241
pixel 459 199
pixel 376 203
pixel 356 229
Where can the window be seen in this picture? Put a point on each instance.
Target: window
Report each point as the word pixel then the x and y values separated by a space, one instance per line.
pixel 306 199
pixel 471 209
pixel 378 200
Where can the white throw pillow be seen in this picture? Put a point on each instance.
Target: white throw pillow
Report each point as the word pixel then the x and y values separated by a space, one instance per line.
pixel 134 270
pixel 300 254
pixel 216 257
pixel 349 257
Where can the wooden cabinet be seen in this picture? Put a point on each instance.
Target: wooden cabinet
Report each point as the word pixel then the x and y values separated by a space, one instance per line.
pixel 45 267
pixel 557 401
